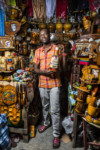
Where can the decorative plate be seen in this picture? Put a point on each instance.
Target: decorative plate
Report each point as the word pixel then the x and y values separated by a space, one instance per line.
pixel 9 95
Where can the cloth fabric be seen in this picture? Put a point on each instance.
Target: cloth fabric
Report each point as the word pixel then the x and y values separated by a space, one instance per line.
pixel 2 18
pixel 39 9
pixel 62 8
pixel 50 97
pixel 5 142
pixel 94 5
pixel 50 8
pixel 11 2
pixel 30 8
pixel 44 61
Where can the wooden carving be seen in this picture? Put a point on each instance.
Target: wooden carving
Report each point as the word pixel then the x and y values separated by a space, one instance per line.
pixel 9 95
pixel 6 42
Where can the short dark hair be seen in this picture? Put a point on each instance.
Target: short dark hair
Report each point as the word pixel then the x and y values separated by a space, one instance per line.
pixel 47 30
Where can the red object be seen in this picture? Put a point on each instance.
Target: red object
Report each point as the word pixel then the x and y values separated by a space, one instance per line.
pixel 74 46
pixel 62 8
pixel 83 63
pixel 94 5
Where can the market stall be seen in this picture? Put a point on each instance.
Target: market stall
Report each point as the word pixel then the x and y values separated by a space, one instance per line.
pixel 75 26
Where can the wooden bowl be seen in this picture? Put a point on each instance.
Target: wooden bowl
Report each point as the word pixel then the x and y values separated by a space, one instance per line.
pixel 93 111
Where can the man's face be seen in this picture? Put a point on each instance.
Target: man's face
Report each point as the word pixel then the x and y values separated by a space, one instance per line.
pixel 44 36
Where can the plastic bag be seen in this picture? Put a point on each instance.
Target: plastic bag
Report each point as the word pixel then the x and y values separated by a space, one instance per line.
pixel 67 124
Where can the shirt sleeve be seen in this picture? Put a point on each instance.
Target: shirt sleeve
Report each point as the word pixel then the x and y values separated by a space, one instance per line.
pixel 36 58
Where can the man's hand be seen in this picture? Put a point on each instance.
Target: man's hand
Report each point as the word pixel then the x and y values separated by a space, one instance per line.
pixel 48 73
pixel 44 72
pixel 61 47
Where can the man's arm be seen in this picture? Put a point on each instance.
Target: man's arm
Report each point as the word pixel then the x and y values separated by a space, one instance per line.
pixel 42 72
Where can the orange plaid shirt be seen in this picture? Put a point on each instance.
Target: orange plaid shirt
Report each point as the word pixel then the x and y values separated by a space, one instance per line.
pixel 44 61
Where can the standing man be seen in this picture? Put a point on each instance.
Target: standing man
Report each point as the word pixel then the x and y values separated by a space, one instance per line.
pixel 49 86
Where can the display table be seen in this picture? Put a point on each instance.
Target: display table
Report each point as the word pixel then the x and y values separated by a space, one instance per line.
pixel 86 143
pixel 75 129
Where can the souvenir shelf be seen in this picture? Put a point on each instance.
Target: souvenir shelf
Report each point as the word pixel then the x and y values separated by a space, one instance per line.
pixel 14 103
pixel 87 54
pixel 13 95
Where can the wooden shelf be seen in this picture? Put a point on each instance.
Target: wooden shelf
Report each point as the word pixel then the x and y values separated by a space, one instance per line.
pixel 8 71
pixel 89 82
pixel 95 125
pixel 88 91
pixel 7 49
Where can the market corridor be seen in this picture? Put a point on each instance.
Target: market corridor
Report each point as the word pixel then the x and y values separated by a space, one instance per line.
pixel 43 142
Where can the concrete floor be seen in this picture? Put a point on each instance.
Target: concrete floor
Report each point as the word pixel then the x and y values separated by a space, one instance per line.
pixel 43 142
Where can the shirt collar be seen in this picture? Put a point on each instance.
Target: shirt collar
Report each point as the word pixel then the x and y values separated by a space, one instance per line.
pixel 48 48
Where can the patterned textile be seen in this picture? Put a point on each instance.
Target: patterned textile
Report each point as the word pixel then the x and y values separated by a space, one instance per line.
pixel 5 142
pixel 29 4
pixel 44 61
pixel 62 8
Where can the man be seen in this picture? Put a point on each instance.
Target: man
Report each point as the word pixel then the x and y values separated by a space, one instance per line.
pixel 49 86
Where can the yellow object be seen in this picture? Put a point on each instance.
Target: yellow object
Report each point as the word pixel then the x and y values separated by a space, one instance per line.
pixel 93 111
pixel 88 99
pixel 93 14
pixel 3 109
pixel 0 59
pixel 14 114
pixel 80 106
pixel 88 118
pixel 11 2
pixel 59 26
pixel 15 59
pixel 67 25
pixel 3 60
pixel 32 131
pixel 9 94
pixel 79 100
pixel 42 25
pixel 86 23
pixel 7 54
pixel 93 101
pixel 96 121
